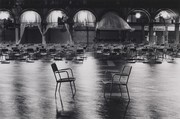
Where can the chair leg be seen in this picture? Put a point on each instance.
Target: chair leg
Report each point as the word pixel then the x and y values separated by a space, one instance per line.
pixel 60 96
pixel 56 89
pixel 120 89
pixel 128 92
pixel 71 89
pixel 105 90
pixel 111 88
pixel 59 88
pixel 74 87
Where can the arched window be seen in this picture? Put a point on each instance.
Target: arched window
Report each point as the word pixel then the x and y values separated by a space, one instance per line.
pixel 166 26
pixel 54 15
pixel 53 19
pixel 84 18
pixel 4 15
pixel 5 18
pixel 29 19
pixel 58 18
pixel 138 16
pixel 165 16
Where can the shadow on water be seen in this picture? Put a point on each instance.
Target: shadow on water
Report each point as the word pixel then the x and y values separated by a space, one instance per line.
pixel 116 107
pixel 61 112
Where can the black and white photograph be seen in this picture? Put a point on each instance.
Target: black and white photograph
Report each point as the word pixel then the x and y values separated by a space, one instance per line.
pixel 89 59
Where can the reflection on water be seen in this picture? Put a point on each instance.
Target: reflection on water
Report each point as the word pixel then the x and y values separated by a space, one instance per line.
pixel 27 91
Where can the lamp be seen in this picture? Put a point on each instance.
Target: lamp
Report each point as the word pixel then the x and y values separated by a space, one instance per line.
pixel 138 15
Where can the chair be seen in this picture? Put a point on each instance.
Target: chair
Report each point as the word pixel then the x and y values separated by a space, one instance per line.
pixel 119 79
pixel 80 55
pixel 60 78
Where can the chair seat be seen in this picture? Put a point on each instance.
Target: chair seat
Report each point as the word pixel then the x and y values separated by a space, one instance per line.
pixel 69 78
pixel 66 79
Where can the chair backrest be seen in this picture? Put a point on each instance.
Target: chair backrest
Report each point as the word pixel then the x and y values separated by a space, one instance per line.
pixel 126 71
pixel 54 67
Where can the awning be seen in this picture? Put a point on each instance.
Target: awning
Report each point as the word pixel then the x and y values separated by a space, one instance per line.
pixel 111 21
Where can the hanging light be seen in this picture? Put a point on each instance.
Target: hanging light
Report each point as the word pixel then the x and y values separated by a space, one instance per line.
pixel 138 15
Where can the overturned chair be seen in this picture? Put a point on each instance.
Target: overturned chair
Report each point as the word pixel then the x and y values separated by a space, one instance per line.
pixel 67 77
pixel 117 79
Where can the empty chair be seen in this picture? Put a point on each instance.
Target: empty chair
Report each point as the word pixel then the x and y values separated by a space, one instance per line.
pixel 30 51
pixel 106 51
pixel 80 51
pixel 160 53
pixel 4 51
pixel 43 52
pixel 117 51
pixel 80 55
pixel 119 79
pixel 52 52
pixel 170 55
pixel 60 78
pixel 69 54
pixel 16 52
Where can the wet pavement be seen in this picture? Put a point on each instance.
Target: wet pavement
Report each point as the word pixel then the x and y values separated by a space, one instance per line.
pixel 27 91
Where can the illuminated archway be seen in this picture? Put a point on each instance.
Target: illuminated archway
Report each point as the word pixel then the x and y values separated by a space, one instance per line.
pixel 84 26
pixel 5 17
pixel 57 21
pixel 165 15
pixel 139 19
pixel 84 18
pixel 53 16
pixel 164 28
pixel 4 14
pixel 6 22
pixel 138 16
pixel 30 19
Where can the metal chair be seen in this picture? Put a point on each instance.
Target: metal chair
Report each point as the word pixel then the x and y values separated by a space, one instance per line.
pixel 119 79
pixel 60 78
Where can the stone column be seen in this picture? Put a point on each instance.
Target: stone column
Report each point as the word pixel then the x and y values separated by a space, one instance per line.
pixel 16 35
pixel 151 37
pixel 43 37
pixel 177 30
pixel 143 33
pixel 166 34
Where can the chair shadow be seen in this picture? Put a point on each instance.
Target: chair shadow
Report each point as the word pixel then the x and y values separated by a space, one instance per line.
pixel 60 111
pixel 117 109
pixel 125 113
pixel 114 102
